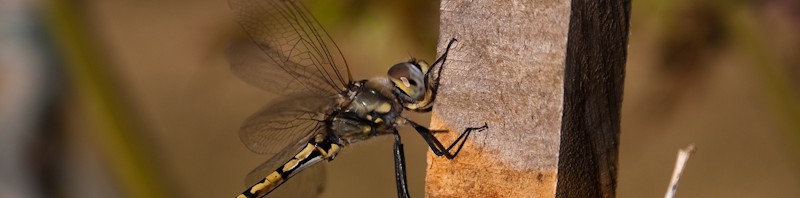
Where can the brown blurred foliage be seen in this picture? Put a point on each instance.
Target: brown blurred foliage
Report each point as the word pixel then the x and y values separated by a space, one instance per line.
pixel 158 112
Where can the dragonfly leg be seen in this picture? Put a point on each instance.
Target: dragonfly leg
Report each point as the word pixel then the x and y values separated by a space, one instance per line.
pixel 438 131
pixel 434 83
pixel 443 57
pixel 400 167
pixel 437 146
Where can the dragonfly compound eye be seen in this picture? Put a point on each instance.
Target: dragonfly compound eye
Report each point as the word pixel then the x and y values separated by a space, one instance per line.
pixel 407 77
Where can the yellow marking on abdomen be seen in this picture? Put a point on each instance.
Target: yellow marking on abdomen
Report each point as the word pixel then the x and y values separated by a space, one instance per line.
pixel 290 165
pixel 259 187
pixel 274 177
pixel 270 181
pixel 334 149
pixel 305 152
pixel 322 152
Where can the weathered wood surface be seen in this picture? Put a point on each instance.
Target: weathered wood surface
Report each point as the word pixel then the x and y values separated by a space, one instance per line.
pixel 508 70
pixel 595 70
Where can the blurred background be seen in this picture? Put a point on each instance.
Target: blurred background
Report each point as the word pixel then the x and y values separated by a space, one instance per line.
pixel 121 98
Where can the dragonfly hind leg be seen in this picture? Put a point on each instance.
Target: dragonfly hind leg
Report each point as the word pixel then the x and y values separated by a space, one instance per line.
pixel 436 145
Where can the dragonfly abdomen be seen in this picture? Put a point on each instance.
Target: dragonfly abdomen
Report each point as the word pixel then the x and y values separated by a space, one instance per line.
pixel 312 153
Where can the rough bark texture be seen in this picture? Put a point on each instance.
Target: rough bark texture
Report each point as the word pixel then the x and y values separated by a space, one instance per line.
pixel 595 69
pixel 506 70
pixel 523 67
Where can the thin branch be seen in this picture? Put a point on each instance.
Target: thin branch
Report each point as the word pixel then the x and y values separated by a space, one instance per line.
pixel 683 157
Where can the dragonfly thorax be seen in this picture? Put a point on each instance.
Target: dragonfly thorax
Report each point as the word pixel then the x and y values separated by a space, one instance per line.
pixel 372 110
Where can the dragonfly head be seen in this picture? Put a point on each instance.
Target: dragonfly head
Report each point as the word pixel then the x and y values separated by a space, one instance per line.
pixel 409 77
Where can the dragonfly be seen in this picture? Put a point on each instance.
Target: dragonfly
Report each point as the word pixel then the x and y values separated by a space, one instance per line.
pixel 322 109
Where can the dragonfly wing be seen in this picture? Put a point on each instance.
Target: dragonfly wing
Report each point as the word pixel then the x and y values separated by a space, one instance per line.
pixel 291 41
pixel 272 164
pixel 250 63
pixel 308 183
pixel 286 122
pixel 281 129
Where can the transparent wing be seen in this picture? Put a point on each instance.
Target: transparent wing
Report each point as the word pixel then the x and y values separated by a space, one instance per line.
pixel 281 129
pixel 308 183
pixel 291 41
pixel 283 123
pixel 272 163
pixel 251 64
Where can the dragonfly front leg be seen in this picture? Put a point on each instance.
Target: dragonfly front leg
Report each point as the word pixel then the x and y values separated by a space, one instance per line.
pixel 437 147
pixel 433 81
pixel 400 167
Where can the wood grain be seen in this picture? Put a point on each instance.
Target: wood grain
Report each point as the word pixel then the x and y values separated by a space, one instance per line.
pixel 548 85
pixel 506 70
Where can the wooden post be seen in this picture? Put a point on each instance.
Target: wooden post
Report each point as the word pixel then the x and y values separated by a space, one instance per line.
pixel 546 75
